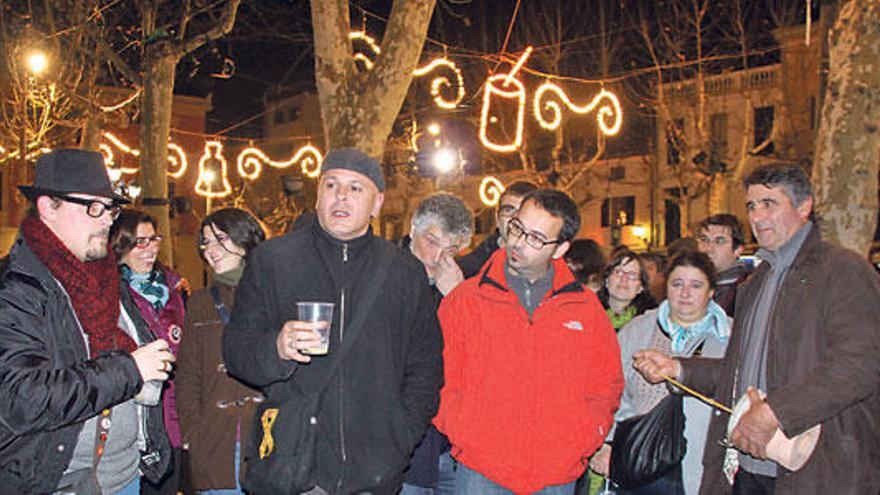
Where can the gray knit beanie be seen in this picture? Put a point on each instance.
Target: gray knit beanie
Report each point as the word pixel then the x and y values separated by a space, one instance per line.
pixel 357 161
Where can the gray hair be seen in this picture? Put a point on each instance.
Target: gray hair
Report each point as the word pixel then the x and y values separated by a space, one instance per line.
pixel 791 178
pixel 446 211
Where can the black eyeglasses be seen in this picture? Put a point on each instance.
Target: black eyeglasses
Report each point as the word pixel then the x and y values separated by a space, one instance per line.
pixel 515 230
pixel 94 208
pixel 144 242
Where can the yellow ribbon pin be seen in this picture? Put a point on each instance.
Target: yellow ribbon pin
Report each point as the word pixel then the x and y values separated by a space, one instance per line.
pixel 268 443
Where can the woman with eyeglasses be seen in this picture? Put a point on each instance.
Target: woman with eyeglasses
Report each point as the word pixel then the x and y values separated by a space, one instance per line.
pixel 216 411
pixel 687 323
pixel 157 294
pixel 625 293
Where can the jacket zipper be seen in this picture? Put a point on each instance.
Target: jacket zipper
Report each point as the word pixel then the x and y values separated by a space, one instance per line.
pixel 341 385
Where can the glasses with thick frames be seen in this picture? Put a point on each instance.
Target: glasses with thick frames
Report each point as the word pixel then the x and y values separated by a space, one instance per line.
pixel 144 242
pixel 94 208
pixel 515 230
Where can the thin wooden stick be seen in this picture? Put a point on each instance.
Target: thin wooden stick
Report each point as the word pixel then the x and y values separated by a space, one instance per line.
pixel 707 400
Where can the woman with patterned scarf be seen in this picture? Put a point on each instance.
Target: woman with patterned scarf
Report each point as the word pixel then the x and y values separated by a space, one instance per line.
pixel 688 323
pixel 156 291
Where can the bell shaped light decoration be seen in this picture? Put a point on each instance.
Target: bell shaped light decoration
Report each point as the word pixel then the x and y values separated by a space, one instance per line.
pixel 213 181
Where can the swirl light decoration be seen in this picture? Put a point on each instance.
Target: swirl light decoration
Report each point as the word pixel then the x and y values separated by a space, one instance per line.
pixel 250 162
pixel 609 117
pixel 370 42
pixel 490 191
pixel 497 89
pixel 439 83
pixel 213 181
pixel 176 156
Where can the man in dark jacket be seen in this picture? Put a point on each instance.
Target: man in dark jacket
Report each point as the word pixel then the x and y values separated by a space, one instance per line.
pixel 442 225
pixel 806 334
pixel 721 238
pixel 375 408
pixel 508 205
pixel 69 361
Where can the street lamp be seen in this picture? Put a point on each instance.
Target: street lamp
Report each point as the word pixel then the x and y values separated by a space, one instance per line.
pixel 36 62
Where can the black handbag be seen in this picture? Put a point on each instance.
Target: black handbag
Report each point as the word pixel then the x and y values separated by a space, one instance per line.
pixel 647 447
pixel 283 445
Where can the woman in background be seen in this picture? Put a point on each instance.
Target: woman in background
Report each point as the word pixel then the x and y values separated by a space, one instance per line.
pixel 215 409
pixel 688 323
pixel 158 294
pixel 625 294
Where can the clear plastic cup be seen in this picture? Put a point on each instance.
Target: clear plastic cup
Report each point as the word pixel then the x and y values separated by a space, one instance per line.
pixel 314 312
pixel 150 393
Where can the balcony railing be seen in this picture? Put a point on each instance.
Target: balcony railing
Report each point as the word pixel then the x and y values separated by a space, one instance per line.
pixel 739 81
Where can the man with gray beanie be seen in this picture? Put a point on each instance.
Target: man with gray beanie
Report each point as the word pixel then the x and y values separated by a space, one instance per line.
pixel 345 421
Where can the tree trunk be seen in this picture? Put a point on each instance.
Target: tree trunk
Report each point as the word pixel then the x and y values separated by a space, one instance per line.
pixel 848 149
pixel 155 127
pixel 359 108
pixel 90 136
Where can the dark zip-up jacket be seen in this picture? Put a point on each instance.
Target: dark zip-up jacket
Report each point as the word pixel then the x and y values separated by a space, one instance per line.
pixel 380 402
pixel 48 384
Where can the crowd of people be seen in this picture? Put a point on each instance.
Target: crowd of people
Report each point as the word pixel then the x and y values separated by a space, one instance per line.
pixel 517 366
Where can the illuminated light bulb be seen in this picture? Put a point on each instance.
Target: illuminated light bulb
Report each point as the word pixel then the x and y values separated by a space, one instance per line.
pixel 37 62
pixel 491 190
pixel 609 117
pixel 497 85
pixel 434 129
pixel 445 160
pixel 114 173
pixel 439 83
pixel 134 191
pixel 370 42
pixel 250 161
pixel 640 231
pixel 212 169
pixel 494 87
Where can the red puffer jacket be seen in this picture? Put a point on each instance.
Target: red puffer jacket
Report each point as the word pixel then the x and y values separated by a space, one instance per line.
pixel 527 401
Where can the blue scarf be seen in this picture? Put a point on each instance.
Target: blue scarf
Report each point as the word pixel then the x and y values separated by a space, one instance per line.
pixel 151 285
pixel 686 340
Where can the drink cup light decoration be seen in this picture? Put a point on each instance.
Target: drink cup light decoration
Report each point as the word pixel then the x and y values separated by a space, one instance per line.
pixel 501 90
pixel 213 181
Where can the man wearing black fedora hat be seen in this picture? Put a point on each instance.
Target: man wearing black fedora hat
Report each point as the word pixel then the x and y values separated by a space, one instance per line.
pixel 73 362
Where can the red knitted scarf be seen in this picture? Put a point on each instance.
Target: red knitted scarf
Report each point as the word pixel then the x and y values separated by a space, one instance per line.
pixel 93 287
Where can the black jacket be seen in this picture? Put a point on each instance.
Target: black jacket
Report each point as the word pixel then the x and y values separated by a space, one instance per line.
pixel 472 262
pixel 382 399
pixel 48 384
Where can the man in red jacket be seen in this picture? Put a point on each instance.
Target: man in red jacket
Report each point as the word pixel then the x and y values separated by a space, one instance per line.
pixel 532 364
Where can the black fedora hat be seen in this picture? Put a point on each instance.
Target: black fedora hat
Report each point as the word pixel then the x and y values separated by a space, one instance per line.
pixel 66 171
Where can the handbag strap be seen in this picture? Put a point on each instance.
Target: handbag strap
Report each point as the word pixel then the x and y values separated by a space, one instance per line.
pixel 380 274
pixel 222 310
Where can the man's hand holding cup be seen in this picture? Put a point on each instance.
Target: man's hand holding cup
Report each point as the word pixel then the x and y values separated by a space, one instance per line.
pixel 296 338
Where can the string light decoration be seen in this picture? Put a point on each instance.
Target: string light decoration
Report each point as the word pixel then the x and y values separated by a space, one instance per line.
pixel 496 86
pixel 250 162
pixel 439 83
pixel 176 156
pixel 370 42
pixel 609 117
pixel 490 191
pixel 213 181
